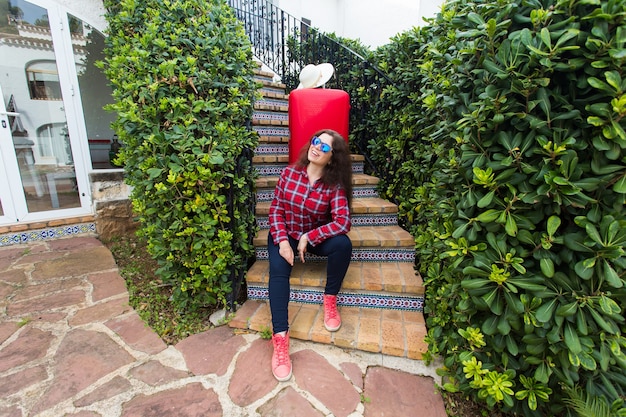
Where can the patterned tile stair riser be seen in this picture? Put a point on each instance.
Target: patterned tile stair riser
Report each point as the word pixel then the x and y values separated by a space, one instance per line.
pixel 46 234
pixel 382 220
pixel 358 255
pixel 361 192
pixel 267 115
pixel 378 301
pixel 275 170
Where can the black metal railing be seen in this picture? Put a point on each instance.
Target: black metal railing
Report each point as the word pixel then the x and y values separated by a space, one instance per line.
pixel 286 44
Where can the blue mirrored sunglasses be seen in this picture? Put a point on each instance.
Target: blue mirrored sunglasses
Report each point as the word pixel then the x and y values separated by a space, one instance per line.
pixel 325 146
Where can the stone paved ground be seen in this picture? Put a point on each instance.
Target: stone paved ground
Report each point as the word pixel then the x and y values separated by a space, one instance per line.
pixel 70 345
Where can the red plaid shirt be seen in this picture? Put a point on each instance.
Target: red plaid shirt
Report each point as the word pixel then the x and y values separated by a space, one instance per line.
pixel 319 210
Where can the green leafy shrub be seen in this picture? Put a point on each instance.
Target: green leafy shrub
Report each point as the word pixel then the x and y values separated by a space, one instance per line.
pixel 182 73
pixel 504 137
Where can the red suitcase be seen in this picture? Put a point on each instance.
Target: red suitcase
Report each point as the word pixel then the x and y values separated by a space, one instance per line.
pixel 313 109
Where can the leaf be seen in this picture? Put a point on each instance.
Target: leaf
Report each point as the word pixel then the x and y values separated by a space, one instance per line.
pixel 609 306
pixel 573 359
pixel 587 361
pixel 154 172
pixel 489 216
pixel 474 284
pixel 546 311
pixel 583 269
pixel 614 80
pixel 544 99
pixel 611 276
pixel 547 267
pixel 450 387
pixel 553 224
pixel 571 339
pixel 545 37
pixel 600 85
pixel 608 326
pixel 511 345
pixel 620 185
pixel 486 200
pixel 542 373
pixel 576 242
pixel 510 226
pixel 567 310
pixel 216 158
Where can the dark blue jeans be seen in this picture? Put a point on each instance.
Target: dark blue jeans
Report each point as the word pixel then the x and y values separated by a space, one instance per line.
pixel 338 249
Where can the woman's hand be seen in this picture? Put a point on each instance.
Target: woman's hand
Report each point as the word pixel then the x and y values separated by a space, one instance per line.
pixel 285 251
pixel 302 244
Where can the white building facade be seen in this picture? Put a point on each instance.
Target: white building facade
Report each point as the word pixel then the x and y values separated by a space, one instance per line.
pixel 374 22
pixel 53 130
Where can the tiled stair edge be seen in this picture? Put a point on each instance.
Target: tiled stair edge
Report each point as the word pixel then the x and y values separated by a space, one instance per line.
pixel 43 231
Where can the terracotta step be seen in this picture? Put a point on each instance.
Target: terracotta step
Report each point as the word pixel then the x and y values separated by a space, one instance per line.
pixel 359 191
pixel 270 159
pixel 272 134
pixel 270 118
pixel 267 80
pixel 358 179
pixel 366 205
pixel 398 280
pixel 391 332
pixel 271 104
pixel 364 186
pixel 270 166
pixel 369 243
pixel 271 91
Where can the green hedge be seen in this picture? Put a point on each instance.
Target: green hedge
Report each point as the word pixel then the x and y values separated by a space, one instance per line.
pixel 504 138
pixel 182 73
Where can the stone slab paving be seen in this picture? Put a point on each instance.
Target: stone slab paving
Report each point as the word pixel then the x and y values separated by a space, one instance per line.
pixel 70 345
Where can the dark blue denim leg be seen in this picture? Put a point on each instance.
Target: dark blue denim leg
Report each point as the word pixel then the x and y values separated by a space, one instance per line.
pixel 338 249
pixel 279 288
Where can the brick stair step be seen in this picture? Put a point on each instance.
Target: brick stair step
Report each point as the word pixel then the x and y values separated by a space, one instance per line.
pixel 358 179
pixel 272 134
pixel 398 278
pixel 270 159
pixel 281 149
pixel 271 91
pixel 369 243
pixel 273 165
pixel 271 104
pixel 366 205
pixel 391 332
pixel 270 118
pixel 358 220
pixel 267 80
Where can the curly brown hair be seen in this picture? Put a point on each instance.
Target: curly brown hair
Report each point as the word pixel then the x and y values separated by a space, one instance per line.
pixel 339 169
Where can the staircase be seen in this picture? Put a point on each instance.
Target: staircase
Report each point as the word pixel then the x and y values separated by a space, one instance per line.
pixel 382 296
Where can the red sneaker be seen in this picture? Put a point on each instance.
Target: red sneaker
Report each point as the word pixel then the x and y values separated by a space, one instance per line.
pixel 332 320
pixel 281 363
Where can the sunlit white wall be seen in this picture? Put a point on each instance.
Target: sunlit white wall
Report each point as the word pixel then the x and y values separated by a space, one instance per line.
pixel 91 11
pixel 374 22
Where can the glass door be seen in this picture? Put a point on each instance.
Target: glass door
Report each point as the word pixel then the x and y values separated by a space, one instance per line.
pixel 44 179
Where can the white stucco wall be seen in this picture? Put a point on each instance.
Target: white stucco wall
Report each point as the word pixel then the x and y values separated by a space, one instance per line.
pixel 374 22
pixel 91 11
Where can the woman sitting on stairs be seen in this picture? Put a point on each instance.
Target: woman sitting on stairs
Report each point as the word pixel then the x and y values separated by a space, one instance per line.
pixel 310 212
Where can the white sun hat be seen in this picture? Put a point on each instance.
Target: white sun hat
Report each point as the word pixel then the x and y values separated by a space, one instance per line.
pixel 313 76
